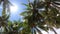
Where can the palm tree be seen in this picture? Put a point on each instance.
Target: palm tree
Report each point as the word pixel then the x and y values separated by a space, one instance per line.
pixel 33 17
pixel 36 17
pixel 51 13
pixel 4 18
pixel 15 26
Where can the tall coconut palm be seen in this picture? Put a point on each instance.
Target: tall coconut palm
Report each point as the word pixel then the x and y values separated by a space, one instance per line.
pixel 35 17
pixel 51 11
pixel 4 18
pixel 15 26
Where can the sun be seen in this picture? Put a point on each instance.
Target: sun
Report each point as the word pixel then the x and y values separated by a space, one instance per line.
pixel 13 8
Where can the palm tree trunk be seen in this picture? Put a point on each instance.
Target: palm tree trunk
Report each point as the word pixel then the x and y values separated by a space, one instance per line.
pixel 34 32
pixel 53 30
pixel 38 30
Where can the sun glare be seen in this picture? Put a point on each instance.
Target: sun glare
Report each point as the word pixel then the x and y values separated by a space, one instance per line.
pixel 13 8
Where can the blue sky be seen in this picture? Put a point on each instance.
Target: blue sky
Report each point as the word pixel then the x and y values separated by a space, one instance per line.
pixel 16 15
